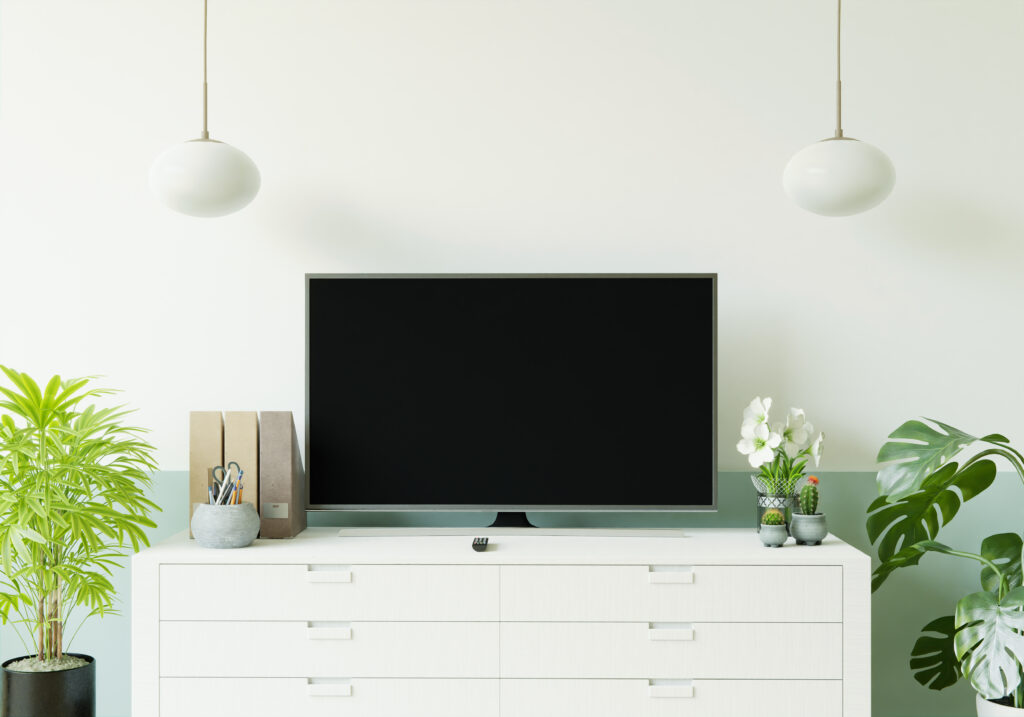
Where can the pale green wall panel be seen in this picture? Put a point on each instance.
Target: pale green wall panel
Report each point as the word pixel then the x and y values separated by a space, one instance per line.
pixel 910 599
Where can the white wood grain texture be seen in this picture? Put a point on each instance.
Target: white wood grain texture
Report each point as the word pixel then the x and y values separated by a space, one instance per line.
pixel 625 593
pixel 283 649
pixel 857 638
pixel 711 698
pixel 280 697
pixel 373 592
pixel 697 546
pixel 145 637
pixel 717 651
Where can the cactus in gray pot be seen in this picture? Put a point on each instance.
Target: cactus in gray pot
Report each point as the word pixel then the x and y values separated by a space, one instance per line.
pixel 809 496
pixel 773 516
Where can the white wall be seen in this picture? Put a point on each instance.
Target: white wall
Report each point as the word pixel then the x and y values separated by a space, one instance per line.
pixel 526 135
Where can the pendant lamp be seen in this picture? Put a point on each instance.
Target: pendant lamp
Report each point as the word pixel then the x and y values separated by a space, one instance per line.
pixel 839 176
pixel 204 177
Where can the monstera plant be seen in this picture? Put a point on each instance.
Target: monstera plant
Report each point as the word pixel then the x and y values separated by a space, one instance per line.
pixel 922 488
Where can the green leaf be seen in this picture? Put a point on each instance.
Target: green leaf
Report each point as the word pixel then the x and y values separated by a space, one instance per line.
pixel 918 516
pixel 72 496
pixel 1004 550
pixel 988 642
pixel 917 451
pixel 933 658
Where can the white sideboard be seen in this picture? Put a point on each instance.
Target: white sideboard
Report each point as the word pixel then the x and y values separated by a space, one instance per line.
pixel 710 624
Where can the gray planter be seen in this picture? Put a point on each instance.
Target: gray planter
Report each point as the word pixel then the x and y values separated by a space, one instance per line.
pixel 809 529
pixel 773 536
pixel 225 526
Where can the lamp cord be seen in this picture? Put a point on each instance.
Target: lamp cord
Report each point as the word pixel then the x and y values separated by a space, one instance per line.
pixel 839 70
pixel 206 133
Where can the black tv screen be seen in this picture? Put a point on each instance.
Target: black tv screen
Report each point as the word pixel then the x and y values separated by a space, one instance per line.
pixel 511 392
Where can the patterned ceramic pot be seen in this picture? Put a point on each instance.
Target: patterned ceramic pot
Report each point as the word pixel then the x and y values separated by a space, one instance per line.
pixel 225 526
pixel 779 502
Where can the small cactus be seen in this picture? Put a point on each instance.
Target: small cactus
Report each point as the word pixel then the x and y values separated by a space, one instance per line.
pixel 809 496
pixel 773 516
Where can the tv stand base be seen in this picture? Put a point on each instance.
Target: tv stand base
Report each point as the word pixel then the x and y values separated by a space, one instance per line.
pixel 511 519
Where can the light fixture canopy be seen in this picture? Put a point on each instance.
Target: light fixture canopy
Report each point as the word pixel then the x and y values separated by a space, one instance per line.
pixel 204 177
pixel 839 176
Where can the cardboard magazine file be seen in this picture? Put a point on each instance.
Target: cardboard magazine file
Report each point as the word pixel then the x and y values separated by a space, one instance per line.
pixel 242 445
pixel 282 479
pixel 205 452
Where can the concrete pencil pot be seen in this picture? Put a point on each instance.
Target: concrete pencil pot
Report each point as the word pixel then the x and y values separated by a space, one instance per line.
pixel 225 526
pixel 809 529
pixel 67 693
pixel 986 708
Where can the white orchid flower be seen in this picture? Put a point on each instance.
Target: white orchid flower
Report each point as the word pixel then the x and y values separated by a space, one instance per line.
pixel 797 432
pixel 758 443
pixel 816 449
pixel 757 412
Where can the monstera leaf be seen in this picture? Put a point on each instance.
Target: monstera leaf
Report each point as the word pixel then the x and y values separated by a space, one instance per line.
pixel 988 641
pixel 918 516
pixel 917 451
pixel 1004 550
pixel 933 659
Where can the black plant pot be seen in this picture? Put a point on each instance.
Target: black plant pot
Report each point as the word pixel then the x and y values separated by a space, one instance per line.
pixel 68 693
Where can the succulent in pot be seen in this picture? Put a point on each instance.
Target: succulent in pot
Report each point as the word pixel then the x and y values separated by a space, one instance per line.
pixel 773 531
pixel 809 526
pixel 72 504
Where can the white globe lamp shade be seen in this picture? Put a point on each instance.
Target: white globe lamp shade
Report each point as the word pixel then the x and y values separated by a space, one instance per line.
pixel 839 177
pixel 204 178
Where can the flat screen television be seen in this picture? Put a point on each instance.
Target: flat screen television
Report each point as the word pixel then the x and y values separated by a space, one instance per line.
pixel 511 392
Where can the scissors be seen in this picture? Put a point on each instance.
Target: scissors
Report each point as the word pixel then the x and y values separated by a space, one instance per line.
pixel 222 476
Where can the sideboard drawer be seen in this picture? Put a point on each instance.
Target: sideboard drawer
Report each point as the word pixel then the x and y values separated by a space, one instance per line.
pixel 741 593
pixel 298 649
pixel 694 698
pixel 362 592
pixel 767 651
pixel 204 697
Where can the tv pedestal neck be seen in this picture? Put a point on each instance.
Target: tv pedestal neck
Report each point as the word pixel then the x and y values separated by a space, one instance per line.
pixel 511 519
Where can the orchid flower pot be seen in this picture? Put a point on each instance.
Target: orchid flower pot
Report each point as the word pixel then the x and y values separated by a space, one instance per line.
pixel 779 502
pixel 64 693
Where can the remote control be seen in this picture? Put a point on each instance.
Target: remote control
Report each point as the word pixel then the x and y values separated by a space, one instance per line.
pixel 479 544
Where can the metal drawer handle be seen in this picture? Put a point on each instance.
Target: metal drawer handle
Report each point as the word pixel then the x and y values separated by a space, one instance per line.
pixel 670 631
pixel 675 575
pixel 670 691
pixel 328 576
pixel 329 689
pixel 333 632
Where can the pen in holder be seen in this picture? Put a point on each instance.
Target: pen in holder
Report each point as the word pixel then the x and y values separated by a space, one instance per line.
pixel 225 526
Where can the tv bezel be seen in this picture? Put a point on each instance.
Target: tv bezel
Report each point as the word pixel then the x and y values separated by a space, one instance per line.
pixel 530 508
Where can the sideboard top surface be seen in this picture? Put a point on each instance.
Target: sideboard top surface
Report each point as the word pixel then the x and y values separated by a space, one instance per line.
pixel 694 546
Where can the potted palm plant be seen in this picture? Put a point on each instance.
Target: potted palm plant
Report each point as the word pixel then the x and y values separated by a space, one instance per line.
pixel 72 503
pixel 921 490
